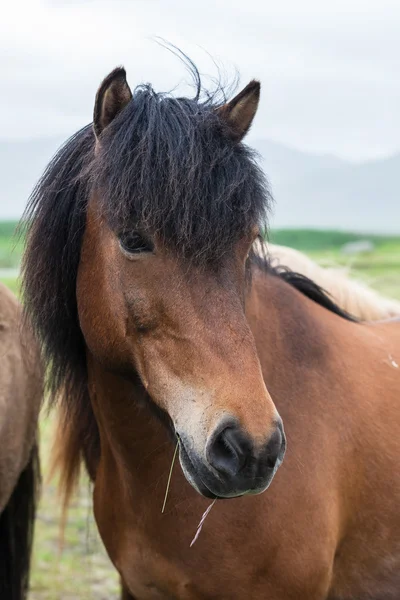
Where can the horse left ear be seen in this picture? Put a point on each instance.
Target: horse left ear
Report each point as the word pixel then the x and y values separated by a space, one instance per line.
pixel 112 96
pixel 238 114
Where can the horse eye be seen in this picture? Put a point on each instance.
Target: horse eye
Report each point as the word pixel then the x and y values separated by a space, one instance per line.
pixel 135 243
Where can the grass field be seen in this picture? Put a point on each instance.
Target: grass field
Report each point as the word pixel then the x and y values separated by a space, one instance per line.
pixel 10 245
pixel 82 571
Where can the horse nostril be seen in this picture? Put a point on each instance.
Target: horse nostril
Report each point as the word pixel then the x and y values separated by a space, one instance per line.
pixel 231 453
pixel 228 449
pixel 275 447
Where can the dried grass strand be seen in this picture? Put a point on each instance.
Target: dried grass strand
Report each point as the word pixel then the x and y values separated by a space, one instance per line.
pixel 200 525
pixel 169 477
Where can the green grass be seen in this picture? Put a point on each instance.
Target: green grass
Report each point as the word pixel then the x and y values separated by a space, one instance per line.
pixel 312 240
pixel 83 571
pixel 10 245
pixel 12 283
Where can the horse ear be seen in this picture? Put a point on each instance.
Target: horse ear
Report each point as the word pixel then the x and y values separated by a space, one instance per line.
pixel 112 96
pixel 238 114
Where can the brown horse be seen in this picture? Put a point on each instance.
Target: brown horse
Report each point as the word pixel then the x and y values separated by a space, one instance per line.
pixel 162 327
pixel 20 398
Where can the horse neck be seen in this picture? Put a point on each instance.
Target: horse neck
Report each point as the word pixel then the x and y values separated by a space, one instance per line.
pixel 290 330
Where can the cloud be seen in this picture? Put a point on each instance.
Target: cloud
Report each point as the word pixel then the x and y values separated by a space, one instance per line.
pixel 329 72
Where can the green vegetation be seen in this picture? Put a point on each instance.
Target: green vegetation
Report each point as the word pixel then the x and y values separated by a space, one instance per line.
pixel 10 245
pixel 7 228
pixel 82 571
pixel 12 283
pixel 315 240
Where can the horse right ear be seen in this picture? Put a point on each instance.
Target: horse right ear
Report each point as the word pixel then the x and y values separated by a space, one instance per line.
pixel 112 96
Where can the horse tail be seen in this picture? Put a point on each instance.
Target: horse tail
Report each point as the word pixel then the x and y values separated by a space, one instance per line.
pixel 16 532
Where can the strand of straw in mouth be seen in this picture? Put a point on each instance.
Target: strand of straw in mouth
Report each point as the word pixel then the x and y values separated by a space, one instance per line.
pixel 205 514
pixel 169 477
pixel 203 518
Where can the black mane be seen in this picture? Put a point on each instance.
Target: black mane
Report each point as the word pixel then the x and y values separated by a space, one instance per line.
pixel 166 167
pixel 302 283
pixel 312 290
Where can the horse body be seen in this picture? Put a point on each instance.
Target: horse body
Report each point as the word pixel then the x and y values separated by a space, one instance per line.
pixel 327 528
pixel 163 330
pixel 20 398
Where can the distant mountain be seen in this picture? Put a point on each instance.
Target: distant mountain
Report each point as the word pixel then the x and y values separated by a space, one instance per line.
pixel 279 160
pixel 310 190
pixel 323 191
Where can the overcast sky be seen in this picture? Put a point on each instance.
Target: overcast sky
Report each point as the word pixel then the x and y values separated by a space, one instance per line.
pixel 329 70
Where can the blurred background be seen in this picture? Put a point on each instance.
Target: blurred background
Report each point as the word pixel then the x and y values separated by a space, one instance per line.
pixel 328 134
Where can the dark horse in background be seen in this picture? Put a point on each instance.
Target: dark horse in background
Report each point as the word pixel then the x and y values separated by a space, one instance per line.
pixel 161 326
pixel 20 398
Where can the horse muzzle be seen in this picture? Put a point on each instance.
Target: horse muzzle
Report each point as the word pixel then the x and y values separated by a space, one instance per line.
pixel 231 465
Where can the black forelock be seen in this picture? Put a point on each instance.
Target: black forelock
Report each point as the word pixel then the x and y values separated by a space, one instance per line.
pixel 165 166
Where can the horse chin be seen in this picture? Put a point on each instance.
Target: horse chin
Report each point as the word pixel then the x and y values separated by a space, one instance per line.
pixel 204 491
